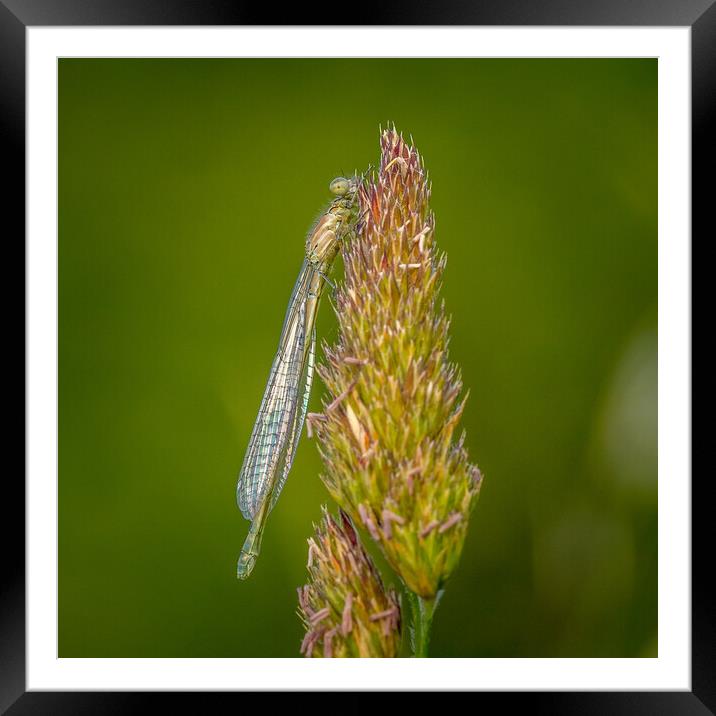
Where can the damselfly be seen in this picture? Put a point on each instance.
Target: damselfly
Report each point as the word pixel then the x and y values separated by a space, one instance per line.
pixel 274 438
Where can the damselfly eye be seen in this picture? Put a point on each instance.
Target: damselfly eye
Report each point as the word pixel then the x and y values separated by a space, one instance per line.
pixel 339 186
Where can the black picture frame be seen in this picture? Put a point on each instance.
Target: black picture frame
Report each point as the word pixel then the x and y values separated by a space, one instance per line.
pixel 17 15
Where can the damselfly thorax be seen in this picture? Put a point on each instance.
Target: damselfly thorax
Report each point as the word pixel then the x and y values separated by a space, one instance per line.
pixel 323 241
pixel 278 426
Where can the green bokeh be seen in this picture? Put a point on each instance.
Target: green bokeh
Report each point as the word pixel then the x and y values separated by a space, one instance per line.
pixel 185 191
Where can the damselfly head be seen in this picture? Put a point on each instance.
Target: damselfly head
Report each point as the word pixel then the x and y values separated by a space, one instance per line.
pixel 340 186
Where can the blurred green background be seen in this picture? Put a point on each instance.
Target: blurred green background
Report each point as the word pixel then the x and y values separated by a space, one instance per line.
pixel 186 188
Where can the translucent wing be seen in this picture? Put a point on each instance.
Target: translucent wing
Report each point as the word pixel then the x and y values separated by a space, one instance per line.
pixel 299 417
pixel 278 424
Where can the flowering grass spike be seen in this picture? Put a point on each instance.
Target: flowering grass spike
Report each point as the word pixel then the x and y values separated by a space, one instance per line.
pixel 344 607
pixel 387 433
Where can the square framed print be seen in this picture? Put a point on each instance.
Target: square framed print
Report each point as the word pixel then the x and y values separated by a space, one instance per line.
pixel 492 207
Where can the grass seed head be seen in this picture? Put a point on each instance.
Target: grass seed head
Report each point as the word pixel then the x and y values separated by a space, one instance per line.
pixel 388 441
pixel 345 608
